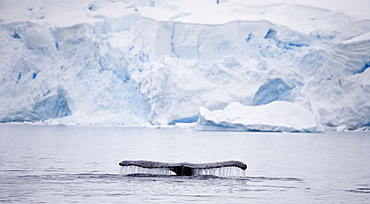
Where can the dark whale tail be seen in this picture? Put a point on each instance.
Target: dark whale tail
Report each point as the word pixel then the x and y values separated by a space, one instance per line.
pixel 183 169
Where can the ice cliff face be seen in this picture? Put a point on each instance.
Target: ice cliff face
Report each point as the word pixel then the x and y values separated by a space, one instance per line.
pixel 343 82
pixel 157 62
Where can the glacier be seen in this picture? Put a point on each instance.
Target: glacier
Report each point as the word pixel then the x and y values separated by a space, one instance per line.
pixel 157 62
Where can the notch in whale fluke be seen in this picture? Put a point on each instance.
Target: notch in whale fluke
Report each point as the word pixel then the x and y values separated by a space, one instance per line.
pixel 183 169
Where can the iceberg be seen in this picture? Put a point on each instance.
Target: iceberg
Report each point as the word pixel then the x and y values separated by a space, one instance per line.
pixel 277 116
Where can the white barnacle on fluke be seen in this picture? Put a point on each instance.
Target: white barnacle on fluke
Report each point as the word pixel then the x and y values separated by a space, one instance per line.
pixel 183 169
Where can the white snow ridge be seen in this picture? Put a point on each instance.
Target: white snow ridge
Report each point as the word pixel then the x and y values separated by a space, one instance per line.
pixel 294 65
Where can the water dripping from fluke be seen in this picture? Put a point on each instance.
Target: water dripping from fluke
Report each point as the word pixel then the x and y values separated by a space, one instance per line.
pixel 143 172
pixel 217 169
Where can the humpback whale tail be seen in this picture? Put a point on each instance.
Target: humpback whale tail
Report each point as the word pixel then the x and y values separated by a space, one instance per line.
pixel 183 169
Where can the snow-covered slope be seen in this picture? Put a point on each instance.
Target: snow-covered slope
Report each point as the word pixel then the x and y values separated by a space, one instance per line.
pixel 137 62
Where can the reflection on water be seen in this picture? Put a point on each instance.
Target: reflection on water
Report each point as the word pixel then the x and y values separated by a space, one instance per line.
pixel 48 164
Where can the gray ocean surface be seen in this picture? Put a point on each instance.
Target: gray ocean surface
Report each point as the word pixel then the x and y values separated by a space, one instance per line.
pixel 75 164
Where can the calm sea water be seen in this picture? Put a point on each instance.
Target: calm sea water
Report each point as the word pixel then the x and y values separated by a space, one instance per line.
pixel 59 164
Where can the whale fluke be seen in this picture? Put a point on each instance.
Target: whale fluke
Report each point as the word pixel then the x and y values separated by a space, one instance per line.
pixel 183 169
